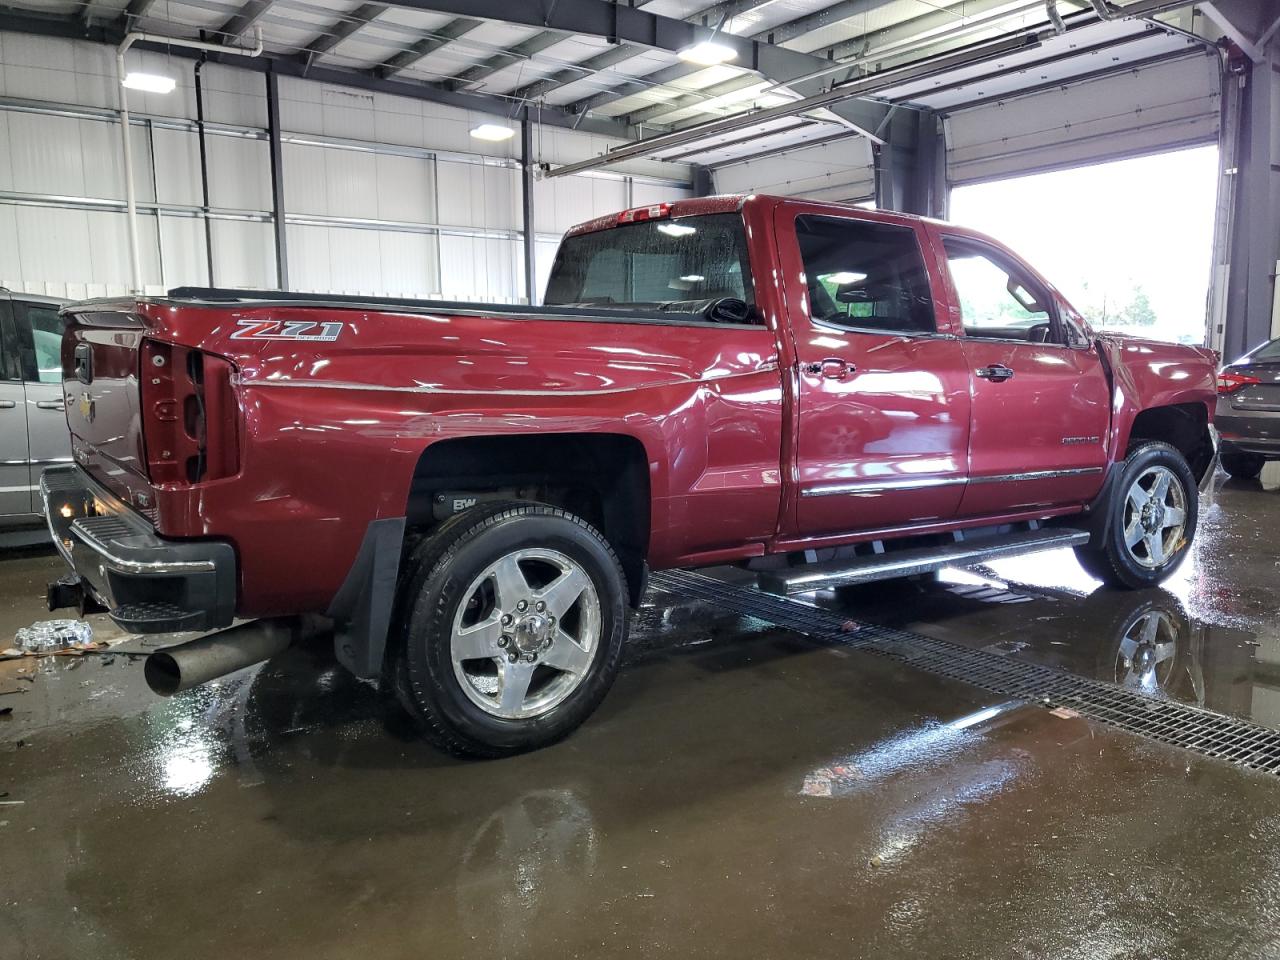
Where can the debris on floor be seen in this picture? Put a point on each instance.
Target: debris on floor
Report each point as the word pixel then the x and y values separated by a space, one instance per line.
pixel 53 638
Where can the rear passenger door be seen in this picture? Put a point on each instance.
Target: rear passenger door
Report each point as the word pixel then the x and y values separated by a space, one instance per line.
pixel 39 332
pixel 882 411
pixel 15 478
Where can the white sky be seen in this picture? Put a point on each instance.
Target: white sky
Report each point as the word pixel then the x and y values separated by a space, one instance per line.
pixel 1145 221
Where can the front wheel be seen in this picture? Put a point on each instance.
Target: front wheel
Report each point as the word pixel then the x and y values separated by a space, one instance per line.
pixel 1151 520
pixel 515 623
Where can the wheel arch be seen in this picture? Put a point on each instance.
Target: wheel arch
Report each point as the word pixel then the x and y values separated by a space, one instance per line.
pixel 1184 426
pixel 602 477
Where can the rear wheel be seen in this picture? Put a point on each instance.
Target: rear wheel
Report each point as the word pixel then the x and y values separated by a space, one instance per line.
pixel 1243 466
pixel 514 623
pixel 1151 520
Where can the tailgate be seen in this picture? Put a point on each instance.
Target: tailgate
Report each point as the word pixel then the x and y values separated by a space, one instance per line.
pixel 100 368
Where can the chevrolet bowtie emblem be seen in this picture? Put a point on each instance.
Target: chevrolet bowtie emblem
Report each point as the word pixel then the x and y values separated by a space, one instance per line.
pixel 87 407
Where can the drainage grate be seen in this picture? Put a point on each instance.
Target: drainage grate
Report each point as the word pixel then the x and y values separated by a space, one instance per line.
pixel 1177 724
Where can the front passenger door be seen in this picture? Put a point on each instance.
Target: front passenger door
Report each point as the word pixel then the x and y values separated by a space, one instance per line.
pixel 1040 402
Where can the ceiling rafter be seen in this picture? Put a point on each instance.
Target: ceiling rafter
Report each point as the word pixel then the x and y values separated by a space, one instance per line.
pixel 774 35
pixel 356 20
pixel 710 16
pixel 70 27
pixel 451 31
pixel 632 27
pixel 243 19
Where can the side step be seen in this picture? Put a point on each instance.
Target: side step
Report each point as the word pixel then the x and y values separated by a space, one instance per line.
pixel 905 563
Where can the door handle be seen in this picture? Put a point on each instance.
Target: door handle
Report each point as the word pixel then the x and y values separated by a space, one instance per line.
pixel 59 405
pixel 833 368
pixel 8 404
pixel 996 373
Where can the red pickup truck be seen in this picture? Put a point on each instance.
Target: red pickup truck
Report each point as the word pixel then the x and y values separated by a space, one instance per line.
pixel 473 494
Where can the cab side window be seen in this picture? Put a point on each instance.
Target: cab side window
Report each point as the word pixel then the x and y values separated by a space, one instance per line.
pixel 865 276
pixel 40 340
pixel 997 300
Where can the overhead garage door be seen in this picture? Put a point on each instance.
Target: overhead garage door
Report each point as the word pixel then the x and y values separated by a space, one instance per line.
pixel 1155 107
pixel 836 171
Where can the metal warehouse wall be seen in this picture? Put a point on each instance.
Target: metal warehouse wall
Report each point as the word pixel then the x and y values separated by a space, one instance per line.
pixel 383 194
pixel 836 171
pixel 1149 108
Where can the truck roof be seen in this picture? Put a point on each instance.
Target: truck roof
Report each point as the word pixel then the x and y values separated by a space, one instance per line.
pixel 720 203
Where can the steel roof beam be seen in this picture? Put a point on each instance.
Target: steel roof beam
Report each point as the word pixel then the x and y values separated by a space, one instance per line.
pixel 70 27
pixel 244 18
pixel 632 27
pixel 356 20
pixel 445 35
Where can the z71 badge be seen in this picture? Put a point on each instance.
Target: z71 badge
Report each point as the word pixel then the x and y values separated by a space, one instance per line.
pixel 288 330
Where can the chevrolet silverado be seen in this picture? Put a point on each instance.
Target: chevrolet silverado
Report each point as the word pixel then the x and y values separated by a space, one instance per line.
pixel 472 495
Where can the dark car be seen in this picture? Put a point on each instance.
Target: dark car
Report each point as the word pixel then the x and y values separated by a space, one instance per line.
pixel 1248 411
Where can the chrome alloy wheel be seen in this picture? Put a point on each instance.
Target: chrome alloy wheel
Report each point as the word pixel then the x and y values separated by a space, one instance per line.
pixel 1155 516
pixel 526 633
pixel 1145 658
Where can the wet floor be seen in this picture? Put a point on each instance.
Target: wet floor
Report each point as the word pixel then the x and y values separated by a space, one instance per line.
pixel 743 792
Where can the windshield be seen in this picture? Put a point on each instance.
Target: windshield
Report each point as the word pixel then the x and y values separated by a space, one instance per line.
pixel 654 263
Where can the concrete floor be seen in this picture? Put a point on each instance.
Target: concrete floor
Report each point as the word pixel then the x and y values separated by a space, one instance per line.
pixel 743 792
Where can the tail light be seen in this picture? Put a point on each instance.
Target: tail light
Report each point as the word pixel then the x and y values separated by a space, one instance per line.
pixel 189 414
pixel 1229 383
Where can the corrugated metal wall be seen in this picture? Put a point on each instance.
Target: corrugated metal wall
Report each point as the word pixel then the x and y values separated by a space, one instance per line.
pixel 383 195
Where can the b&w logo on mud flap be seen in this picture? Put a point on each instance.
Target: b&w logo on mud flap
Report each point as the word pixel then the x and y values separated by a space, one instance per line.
pixel 304 330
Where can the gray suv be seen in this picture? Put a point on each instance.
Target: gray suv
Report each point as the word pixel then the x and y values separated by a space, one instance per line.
pixel 33 422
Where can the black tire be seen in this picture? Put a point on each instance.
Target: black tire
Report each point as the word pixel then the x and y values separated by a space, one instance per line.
pixel 445 567
pixel 1243 466
pixel 1108 557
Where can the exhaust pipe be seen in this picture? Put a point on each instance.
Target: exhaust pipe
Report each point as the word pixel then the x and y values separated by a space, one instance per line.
pixel 198 661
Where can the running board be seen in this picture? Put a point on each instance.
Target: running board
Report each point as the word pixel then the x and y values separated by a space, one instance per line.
pixel 905 563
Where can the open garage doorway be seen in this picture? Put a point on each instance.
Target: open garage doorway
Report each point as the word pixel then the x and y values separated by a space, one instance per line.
pixel 1129 242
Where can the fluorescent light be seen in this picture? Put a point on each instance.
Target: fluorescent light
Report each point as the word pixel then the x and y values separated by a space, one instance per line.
pixel 676 229
pixel 844 276
pixel 149 82
pixel 693 278
pixel 708 53
pixel 492 132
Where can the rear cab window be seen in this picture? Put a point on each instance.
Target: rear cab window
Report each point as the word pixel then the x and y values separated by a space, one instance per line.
pixel 865 276
pixel 676 266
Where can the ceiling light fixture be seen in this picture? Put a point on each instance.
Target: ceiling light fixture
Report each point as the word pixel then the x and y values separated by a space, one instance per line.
pixel 493 132
pixel 707 53
pixel 149 82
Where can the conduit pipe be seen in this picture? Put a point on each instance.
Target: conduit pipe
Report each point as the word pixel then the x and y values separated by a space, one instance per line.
pixel 130 196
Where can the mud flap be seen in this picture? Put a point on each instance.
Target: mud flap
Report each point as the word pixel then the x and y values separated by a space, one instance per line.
pixel 363 604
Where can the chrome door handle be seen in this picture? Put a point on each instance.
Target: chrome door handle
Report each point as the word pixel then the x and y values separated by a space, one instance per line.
pixel 52 405
pixel 8 404
pixel 833 368
pixel 996 373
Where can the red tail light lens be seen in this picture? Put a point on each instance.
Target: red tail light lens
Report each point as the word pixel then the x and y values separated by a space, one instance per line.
pixel 189 414
pixel 1229 383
